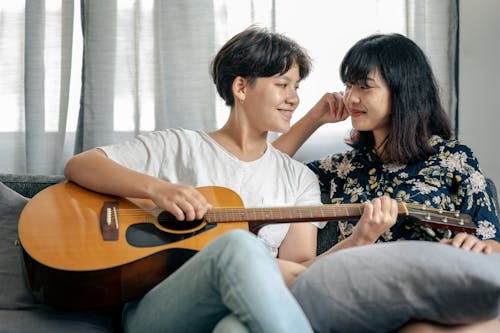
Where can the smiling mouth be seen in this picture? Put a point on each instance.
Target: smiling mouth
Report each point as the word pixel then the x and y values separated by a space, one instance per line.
pixel 286 113
pixel 357 113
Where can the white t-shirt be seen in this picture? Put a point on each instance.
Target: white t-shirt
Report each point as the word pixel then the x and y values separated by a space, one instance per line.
pixel 193 158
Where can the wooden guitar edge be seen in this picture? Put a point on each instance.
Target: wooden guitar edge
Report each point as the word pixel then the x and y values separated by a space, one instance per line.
pixel 75 290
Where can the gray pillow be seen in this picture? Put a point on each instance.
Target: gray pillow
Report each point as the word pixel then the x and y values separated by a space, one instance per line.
pixel 19 312
pixel 13 291
pixel 380 287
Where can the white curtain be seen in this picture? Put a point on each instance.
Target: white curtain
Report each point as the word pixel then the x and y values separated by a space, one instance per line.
pixel 434 26
pixel 144 66
pixel 35 51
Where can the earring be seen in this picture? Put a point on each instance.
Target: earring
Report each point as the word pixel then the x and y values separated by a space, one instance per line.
pixel 242 100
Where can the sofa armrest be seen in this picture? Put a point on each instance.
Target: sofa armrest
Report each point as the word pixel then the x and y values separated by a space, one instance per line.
pixel 28 185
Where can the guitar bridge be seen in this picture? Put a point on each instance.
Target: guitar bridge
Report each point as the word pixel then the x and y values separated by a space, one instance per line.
pixel 109 221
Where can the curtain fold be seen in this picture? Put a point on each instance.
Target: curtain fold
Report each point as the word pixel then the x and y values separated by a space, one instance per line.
pixel 433 25
pixel 95 119
pixel 185 47
pixel 47 70
pixel 66 33
pixel 34 85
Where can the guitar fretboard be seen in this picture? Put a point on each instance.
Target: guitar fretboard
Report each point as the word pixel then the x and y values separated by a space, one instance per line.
pixel 295 214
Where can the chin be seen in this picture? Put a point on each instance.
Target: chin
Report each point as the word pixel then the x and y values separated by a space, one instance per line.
pixel 281 129
pixel 360 128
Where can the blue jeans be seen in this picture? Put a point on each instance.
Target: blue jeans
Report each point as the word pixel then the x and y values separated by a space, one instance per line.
pixel 235 277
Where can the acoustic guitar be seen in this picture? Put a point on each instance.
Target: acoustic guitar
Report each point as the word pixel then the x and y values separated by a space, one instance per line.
pixel 85 250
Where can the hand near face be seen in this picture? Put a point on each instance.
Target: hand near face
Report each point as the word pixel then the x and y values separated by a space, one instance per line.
pixel 329 109
pixel 468 242
pixel 379 215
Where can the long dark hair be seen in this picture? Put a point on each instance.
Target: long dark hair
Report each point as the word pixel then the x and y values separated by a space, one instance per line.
pixel 256 52
pixel 416 110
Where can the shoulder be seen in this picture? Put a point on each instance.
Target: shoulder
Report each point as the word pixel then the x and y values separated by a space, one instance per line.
pixel 451 151
pixel 449 146
pixel 285 159
pixel 289 164
pixel 454 156
pixel 300 184
pixel 170 136
pixel 334 162
pixel 177 132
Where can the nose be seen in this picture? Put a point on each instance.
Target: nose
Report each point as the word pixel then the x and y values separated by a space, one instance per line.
pixel 351 97
pixel 292 97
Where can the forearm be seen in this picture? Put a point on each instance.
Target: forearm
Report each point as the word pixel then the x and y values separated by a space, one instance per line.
pixel 95 171
pixel 292 140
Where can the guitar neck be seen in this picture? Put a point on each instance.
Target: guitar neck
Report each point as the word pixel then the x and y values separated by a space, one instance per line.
pixel 431 217
pixel 291 214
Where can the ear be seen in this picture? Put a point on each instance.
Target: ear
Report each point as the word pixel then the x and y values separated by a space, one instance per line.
pixel 239 88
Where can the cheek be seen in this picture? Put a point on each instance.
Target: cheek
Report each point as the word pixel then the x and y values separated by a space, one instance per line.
pixel 274 96
pixel 384 104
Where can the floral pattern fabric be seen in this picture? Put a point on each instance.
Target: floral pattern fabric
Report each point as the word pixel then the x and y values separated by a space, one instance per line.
pixel 450 180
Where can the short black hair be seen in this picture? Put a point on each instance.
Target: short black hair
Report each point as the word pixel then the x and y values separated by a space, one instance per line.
pixel 416 110
pixel 256 52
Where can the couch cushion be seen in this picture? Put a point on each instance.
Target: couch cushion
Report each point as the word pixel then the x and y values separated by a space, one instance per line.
pixel 19 312
pixel 13 292
pixel 379 287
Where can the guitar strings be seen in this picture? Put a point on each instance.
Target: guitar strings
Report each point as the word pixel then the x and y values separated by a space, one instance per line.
pixel 302 211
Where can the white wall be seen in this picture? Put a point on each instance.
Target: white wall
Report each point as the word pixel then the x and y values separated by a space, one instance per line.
pixel 479 75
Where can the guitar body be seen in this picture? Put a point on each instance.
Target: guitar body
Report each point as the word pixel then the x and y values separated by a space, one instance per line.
pixel 70 263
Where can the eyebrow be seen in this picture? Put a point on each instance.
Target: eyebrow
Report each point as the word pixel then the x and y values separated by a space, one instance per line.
pixel 283 76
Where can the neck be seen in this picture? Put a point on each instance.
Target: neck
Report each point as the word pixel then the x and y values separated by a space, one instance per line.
pixel 241 140
pixel 380 141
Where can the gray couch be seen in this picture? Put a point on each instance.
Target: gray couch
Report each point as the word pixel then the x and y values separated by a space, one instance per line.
pixel 19 312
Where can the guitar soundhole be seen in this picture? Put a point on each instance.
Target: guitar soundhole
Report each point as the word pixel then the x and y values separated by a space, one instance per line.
pixel 167 220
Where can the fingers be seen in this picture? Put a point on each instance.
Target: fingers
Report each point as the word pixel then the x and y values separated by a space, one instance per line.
pixel 184 202
pixel 468 242
pixel 329 109
pixel 337 106
pixel 382 210
pixel 394 210
pixel 368 210
pixel 379 215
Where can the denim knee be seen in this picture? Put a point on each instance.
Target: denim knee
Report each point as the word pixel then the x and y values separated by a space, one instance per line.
pixel 242 241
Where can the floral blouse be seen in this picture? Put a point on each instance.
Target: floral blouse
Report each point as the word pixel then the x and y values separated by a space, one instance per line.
pixel 450 180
